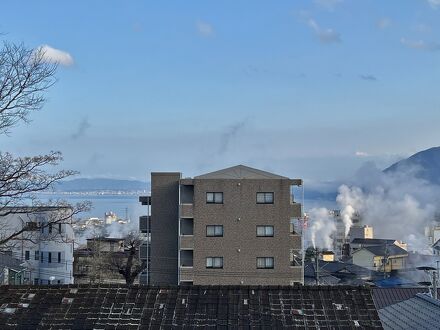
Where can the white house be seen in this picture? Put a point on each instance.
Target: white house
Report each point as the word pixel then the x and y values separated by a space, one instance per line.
pixel 45 248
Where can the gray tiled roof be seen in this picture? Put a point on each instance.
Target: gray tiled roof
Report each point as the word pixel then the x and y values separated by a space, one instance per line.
pixel 381 250
pixel 372 241
pixel 387 296
pixel 419 312
pixel 240 172
pixel 189 307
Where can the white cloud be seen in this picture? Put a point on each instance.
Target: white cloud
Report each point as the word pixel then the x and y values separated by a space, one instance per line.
pixel 205 29
pixel 421 45
pixel 328 4
pixel 434 3
pixel 325 35
pixel 361 154
pixel 383 23
pixel 54 55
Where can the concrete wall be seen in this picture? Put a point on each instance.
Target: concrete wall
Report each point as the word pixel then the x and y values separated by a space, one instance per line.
pixel 240 214
pixel 164 228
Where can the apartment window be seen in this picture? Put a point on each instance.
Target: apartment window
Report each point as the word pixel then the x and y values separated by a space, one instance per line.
pixel 59 228
pixel 50 228
pixel 26 255
pixel 36 281
pixel 214 262
pixel 49 257
pixel 37 255
pixel 59 257
pixel 265 231
pixel 265 198
pixel 265 262
pixel 214 231
pixel 214 197
pixel 41 256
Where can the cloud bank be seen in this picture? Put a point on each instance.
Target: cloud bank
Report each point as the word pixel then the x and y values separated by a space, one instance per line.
pixel 54 55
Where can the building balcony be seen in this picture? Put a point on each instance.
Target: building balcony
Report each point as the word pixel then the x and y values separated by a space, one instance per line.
pixel 145 224
pixel 295 210
pixel 143 252
pixel 145 200
pixel 187 242
pixel 186 274
pixel 186 258
pixel 186 210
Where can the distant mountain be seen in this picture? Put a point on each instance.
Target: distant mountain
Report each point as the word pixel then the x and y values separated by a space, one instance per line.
pixel 424 164
pixel 82 185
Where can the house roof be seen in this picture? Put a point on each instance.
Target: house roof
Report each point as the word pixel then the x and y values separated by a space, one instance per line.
pixel 419 312
pixel 382 250
pixel 388 296
pixel 139 307
pixel 240 172
pixel 372 241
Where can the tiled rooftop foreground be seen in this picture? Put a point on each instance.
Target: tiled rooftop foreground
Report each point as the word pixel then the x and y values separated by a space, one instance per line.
pixel 187 307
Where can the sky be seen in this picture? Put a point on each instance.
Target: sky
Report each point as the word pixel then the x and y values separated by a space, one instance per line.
pixel 306 89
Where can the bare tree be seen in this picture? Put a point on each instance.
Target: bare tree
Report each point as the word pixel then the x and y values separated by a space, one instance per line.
pixel 127 263
pixel 25 77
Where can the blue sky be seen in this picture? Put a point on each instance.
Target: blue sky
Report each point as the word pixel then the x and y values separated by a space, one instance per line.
pixel 309 89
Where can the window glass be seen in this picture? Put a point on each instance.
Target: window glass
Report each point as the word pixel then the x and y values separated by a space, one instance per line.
pixel 214 197
pixel 218 198
pixel 269 230
pixel 268 197
pixel 26 255
pixel 218 230
pixel 210 230
pixel 214 262
pixel 210 197
pixel 265 262
pixel 269 262
pixel 265 198
pixel 264 231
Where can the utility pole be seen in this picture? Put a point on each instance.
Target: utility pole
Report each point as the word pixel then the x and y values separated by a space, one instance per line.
pixel 317 266
pixel 385 259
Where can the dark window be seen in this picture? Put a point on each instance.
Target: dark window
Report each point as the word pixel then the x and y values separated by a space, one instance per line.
pixel 41 256
pixel 50 228
pixel 59 228
pixel 214 262
pixel 37 255
pixel 265 262
pixel 265 198
pixel 214 197
pixel 26 255
pixel 36 281
pixel 214 231
pixel 49 257
pixel 265 231
pixel 59 257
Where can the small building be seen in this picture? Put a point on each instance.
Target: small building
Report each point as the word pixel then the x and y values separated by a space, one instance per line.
pixel 328 255
pixel 383 258
pixel 358 243
pixel 45 245
pixel 364 232
pixel 95 263
pixel 235 226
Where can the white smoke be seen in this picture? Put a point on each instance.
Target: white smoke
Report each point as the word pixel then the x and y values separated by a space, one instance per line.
pixel 322 227
pixel 347 199
pixel 398 205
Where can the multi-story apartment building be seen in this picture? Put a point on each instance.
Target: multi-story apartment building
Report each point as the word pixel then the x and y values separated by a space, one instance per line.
pixel 45 246
pixel 233 226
